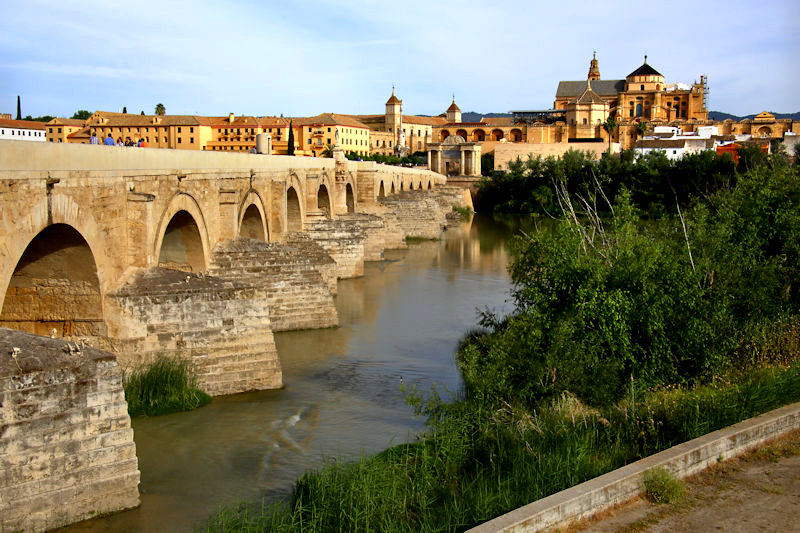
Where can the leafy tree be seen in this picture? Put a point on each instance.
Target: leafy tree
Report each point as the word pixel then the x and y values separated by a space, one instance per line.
pixel 142 113
pixel 160 109
pixel 19 109
pixel 290 148
pixel 487 164
pixel 81 114
pixel 609 126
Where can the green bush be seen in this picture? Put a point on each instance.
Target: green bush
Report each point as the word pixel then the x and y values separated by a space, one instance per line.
pixel 661 486
pixel 167 385
pixel 602 301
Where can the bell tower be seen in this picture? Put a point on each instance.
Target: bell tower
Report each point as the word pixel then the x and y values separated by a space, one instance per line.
pixel 394 114
pixel 594 70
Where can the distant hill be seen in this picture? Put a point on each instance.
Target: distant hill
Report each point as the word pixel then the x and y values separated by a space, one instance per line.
pixel 472 116
pixel 719 115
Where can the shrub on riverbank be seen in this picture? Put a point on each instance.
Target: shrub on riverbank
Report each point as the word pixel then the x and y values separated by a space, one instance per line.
pixel 167 385
pixel 602 301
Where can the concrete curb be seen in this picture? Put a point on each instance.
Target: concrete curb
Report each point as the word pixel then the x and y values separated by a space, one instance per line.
pixel 619 486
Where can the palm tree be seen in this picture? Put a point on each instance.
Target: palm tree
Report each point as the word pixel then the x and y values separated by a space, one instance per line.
pixel 609 126
pixel 641 128
pixel 328 150
pixel 160 109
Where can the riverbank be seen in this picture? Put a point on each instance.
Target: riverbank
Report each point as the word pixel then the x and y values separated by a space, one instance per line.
pixel 754 492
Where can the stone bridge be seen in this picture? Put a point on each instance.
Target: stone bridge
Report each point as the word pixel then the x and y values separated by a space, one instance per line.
pixel 200 255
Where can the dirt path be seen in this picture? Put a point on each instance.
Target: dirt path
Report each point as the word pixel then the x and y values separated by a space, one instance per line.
pixel 759 491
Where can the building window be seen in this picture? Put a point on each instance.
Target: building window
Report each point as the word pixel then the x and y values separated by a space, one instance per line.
pixel 643 87
pixel 191 140
pixel 329 130
pixel 179 130
pixel 51 130
pixel 179 140
pixel 191 129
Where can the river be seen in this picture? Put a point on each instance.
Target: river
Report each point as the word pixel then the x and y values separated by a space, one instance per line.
pixel 400 323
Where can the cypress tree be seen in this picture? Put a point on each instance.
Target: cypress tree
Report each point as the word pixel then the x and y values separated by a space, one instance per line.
pixel 124 110
pixel 290 150
pixel 19 110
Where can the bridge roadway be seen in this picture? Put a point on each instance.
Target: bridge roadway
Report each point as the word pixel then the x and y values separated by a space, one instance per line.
pixel 201 255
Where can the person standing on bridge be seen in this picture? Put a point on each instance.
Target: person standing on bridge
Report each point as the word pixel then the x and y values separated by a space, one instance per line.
pixel 93 139
pixel 109 141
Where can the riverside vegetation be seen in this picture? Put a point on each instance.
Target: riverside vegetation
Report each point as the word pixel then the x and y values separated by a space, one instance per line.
pixel 167 385
pixel 627 338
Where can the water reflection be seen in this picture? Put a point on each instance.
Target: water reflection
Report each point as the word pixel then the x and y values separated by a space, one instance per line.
pixel 401 320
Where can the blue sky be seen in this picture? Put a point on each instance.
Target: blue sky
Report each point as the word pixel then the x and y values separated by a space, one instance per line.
pixel 304 58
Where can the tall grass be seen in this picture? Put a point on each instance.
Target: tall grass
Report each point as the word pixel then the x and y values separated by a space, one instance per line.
pixel 477 462
pixel 167 385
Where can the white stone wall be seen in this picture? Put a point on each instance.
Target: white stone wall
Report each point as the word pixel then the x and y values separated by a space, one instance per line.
pixel 66 443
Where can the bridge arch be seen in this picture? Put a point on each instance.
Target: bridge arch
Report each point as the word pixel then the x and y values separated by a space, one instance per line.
pixel 55 287
pixel 294 211
pixel 64 210
pixel 350 197
pixel 381 191
pixel 324 202
pixel 252 217
pixel 393 189
pixel 294 215
pixel 182 216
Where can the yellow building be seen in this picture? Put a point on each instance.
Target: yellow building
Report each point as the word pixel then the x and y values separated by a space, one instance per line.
pixel 319 132
pixel 59 129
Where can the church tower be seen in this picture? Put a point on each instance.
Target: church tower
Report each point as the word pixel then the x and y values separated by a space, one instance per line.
pixel 594 70
pixel 453 113
pixel 394 114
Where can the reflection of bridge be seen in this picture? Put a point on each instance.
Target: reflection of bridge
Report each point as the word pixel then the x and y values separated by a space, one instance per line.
pixel 200 255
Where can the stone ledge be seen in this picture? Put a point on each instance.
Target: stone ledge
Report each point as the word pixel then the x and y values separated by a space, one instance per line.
pixel 623 484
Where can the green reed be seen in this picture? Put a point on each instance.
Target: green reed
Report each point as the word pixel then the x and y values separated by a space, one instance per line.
pixel 167 385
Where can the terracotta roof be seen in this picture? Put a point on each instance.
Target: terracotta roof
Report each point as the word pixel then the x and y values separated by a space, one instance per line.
pixel 453 107
pixel 499 121
pixel 124 119
pixel 661 143
pixel 588 97
pixel 67 121
pixel 573 89
pixel 428 121
pixel 81 133
pixel 22 124
pixel 393 99
pixel 645 70
pixel 330 119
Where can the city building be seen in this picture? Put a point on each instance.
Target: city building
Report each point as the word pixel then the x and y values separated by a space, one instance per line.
pixel 22 130
pixel 58 129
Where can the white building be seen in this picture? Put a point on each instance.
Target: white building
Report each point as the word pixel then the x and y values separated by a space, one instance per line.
pixel 672 141
pixel 22 130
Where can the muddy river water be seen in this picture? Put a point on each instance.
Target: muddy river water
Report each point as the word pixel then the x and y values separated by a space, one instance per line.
pixel 400 323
